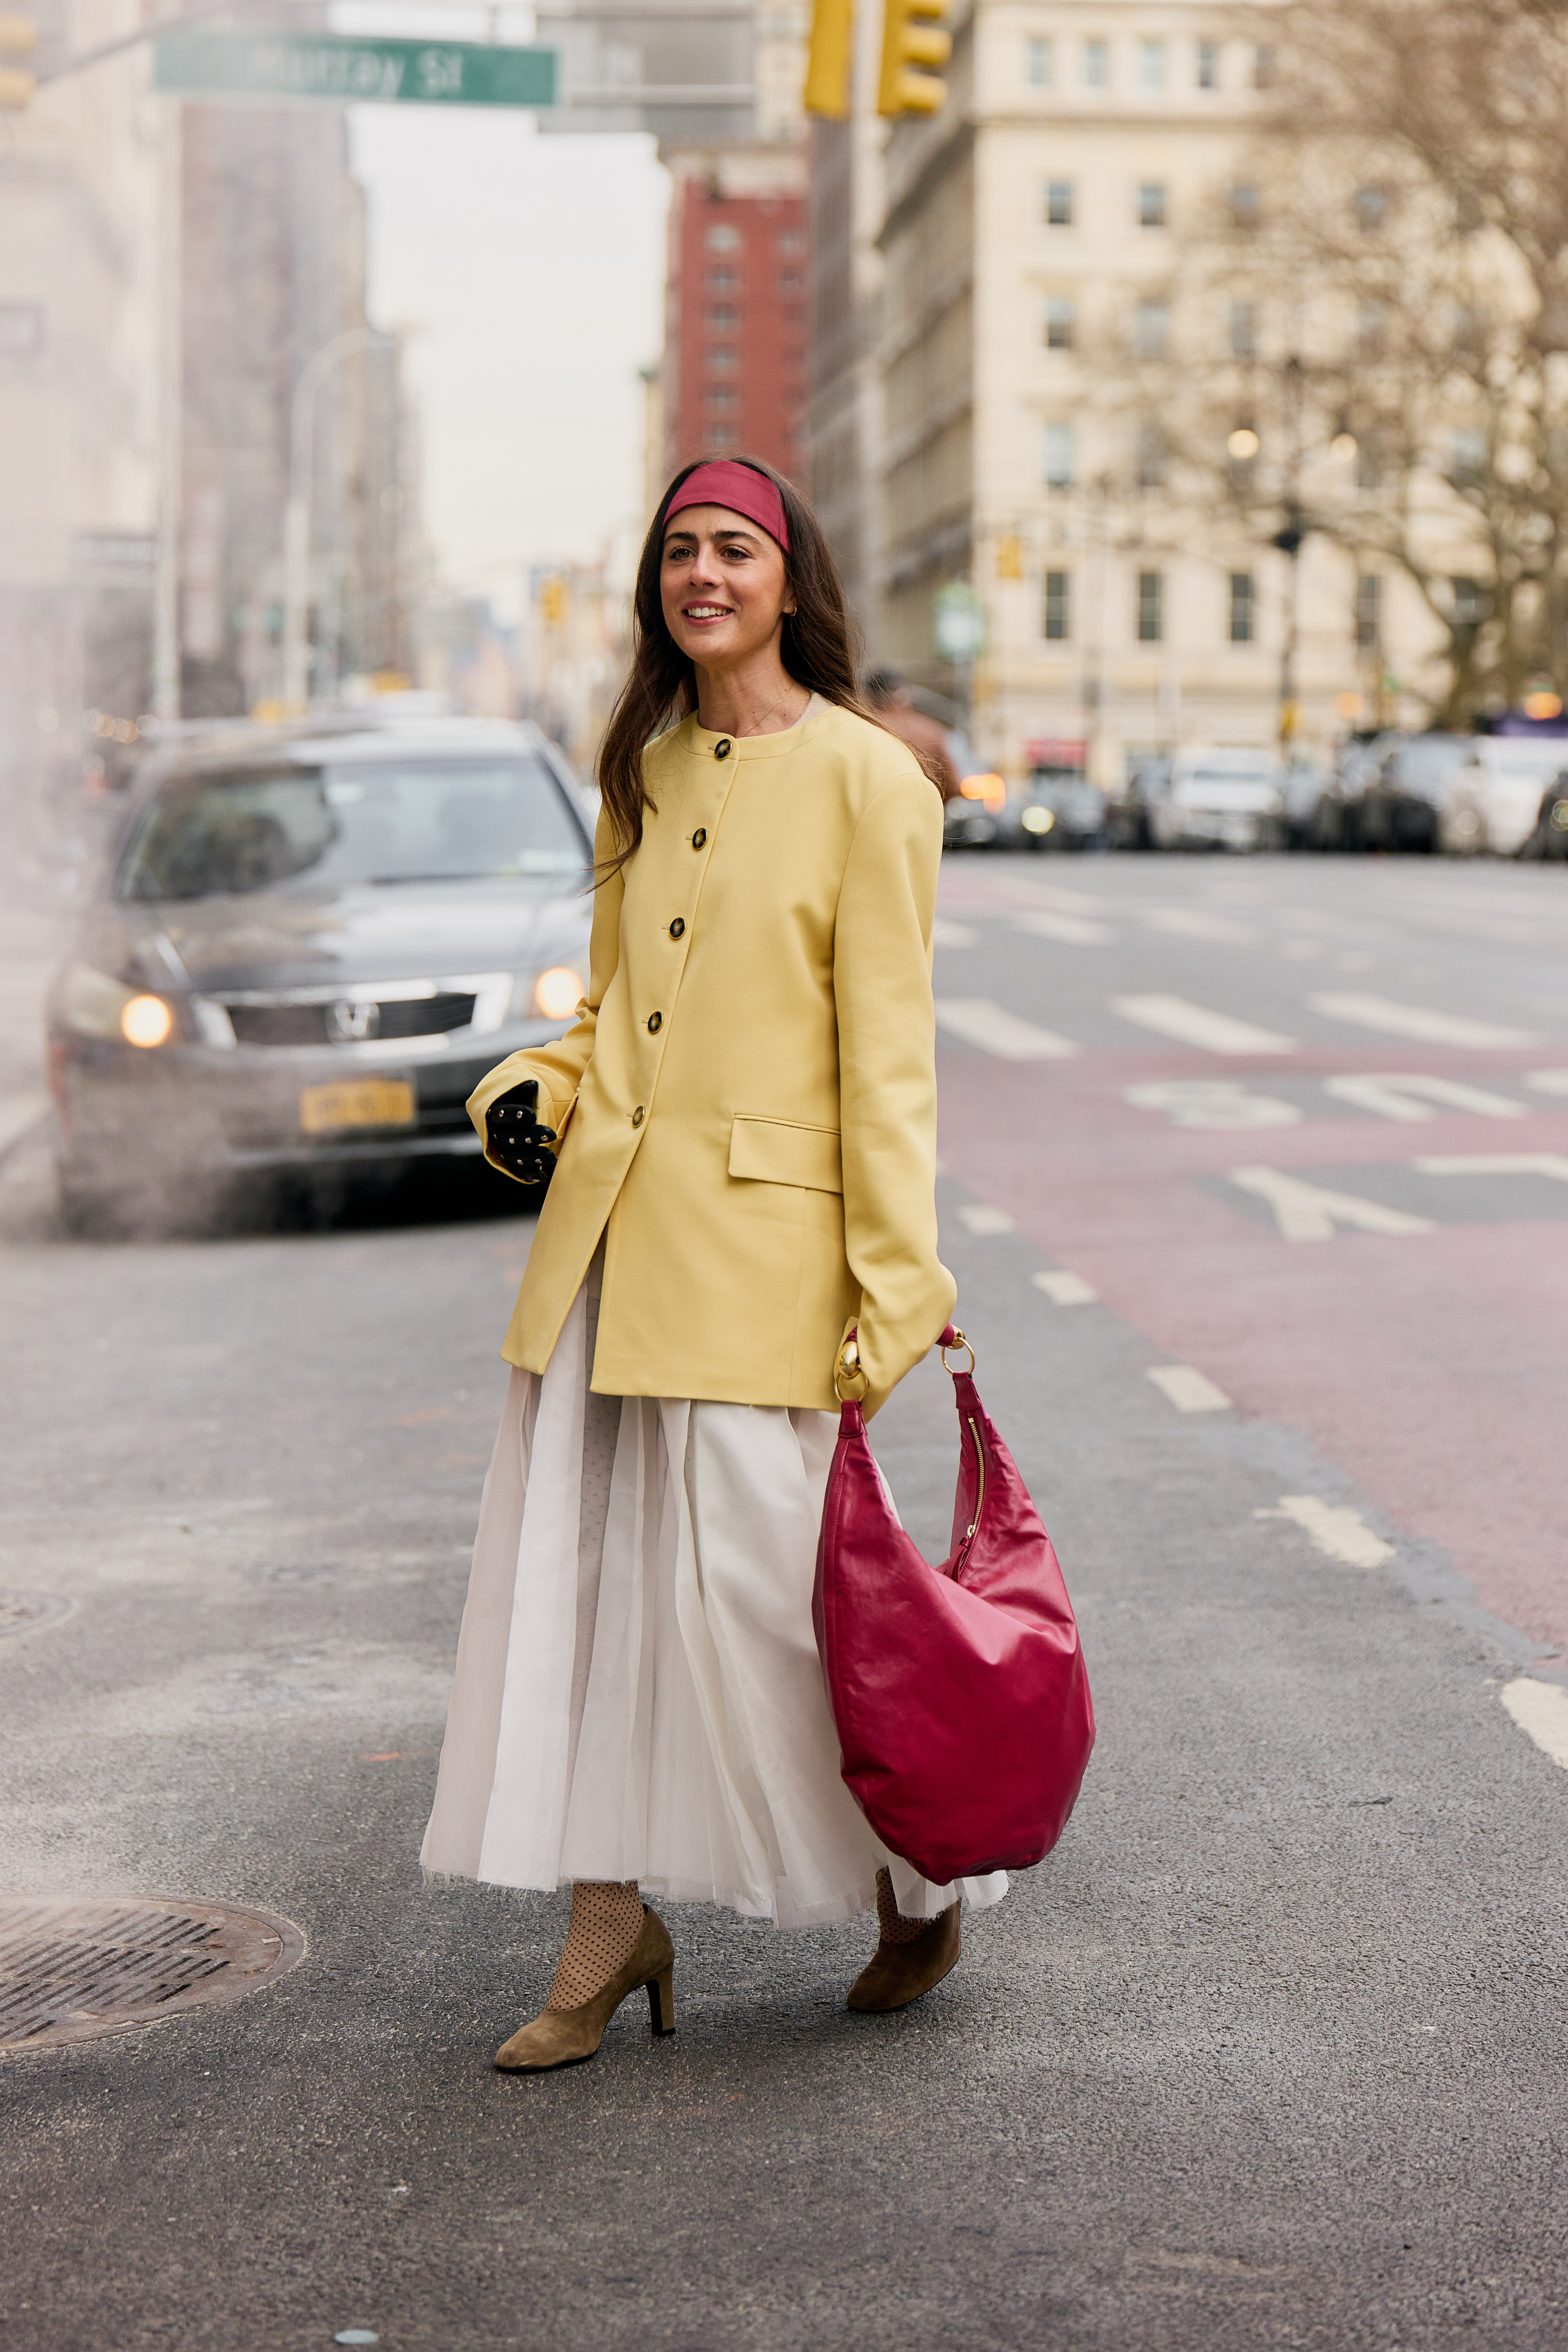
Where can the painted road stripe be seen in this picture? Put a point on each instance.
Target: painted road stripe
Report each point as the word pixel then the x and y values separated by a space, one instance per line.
pixel 19 1114
pixel 1541 1710
pixel 980 1218
pixel 1188 1389
pixel 1334 1529
pixel 1191 923
pixel 1195 1025
pixel 1063 1289
pixel 1498 1163
pixel 1411 1096
pixel 946 934
pixel 1309 1212
pixel 1548 1082
pixel 1417 1021
pixel 1070 931
pixel 980 1023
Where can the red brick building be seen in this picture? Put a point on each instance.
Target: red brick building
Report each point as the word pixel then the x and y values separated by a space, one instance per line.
pixel 734 348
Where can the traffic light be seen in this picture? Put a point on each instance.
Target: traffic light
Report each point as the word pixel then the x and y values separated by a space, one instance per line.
pixel 828 59
pixel 18 38
pixel 553 603
pixel 912 41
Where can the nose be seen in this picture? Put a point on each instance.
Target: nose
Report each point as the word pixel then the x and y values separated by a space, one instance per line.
pixel 704 570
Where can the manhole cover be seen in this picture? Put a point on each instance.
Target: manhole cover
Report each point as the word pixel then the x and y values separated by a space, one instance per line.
pixel 20 1612
pixel 74 1967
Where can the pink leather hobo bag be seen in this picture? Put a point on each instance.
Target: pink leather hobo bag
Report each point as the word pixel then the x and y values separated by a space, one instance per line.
pixel 959 1692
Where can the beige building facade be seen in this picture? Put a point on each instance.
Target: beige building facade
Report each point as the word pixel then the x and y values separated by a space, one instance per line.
pixel 1035 345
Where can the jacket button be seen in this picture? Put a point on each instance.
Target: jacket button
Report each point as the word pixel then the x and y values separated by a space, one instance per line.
pixel 655 1023
pixel 722 750
pixel 700 836
pixel 637 1116
pixel 677 927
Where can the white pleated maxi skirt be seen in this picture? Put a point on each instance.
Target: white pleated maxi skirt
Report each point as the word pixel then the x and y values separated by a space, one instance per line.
pixel 637 1692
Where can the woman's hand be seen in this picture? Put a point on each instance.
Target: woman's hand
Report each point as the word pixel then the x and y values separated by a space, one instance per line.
pixel 515 1138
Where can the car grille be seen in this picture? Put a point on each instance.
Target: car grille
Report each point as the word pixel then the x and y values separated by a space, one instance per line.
pixel 312 1024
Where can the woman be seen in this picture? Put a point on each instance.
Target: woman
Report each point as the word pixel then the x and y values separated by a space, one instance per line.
pixel 743 1121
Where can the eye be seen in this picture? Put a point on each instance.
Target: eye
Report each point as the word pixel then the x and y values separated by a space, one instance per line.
pixel 734 553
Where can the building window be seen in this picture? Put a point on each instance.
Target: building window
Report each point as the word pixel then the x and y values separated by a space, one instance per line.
pixel 1151 607
pixel 1368 613
pixel 1208 65
pixel 1096 65
pixel 1244 204
pixel 1151 65
pixel 722 437
pixel 723 238
pixel 1370 210
pixel 789 240
pixel 1244 330
pixel 1150 456
pixel 1243 604
pixel 1151 204
pixel 1369 458
pixel 1152 328
pixel 788 281
pixel 1370 328
pixel 722 281
pixel 722 314
pixel 1058 607
pixel 1059 317
pixel 719 395
pixel 1058 203
pixel 721 358
pixel 1038 64
pixel 1059 456
pixel 1471 603
pixel 1264 60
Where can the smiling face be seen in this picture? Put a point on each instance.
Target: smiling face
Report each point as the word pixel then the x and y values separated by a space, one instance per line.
pixel 723 585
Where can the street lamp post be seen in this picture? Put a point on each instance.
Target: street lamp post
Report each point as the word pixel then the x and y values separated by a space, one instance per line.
pixel 297 513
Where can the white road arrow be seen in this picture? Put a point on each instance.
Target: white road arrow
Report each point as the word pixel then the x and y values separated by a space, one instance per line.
pixel 1308 1212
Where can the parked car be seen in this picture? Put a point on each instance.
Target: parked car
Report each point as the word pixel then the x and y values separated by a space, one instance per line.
pixel 1548 838
pixel 1219 798
pixel 1303 791
pixel 307 947
pixel 1388 792
pixel 1132 816
pixel 1058 808
pixel 1496 796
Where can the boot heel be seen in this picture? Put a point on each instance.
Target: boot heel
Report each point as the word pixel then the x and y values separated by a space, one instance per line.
pixel 661 2002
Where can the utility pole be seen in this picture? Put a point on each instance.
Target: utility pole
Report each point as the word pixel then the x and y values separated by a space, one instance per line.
pixel 170 407
pixel 297 513
pixel 1289 541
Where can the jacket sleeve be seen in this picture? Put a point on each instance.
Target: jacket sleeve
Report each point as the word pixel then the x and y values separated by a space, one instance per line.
pixel 559 1066
pixel 887 1077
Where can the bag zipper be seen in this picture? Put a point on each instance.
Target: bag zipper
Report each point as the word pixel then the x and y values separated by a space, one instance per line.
pixel 979 1494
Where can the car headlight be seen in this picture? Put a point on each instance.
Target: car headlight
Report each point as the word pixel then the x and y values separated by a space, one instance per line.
pixel 100 1007
pixel 552 995
pixel 1035 819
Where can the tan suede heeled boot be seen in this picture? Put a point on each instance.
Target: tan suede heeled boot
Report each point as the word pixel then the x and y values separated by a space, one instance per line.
pixel 564 2037
pixel 912 1955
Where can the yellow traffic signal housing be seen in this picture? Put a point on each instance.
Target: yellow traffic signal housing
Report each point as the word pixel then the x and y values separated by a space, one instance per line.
pixel 18 38
pixel 912 42
pixel 553 603
pixel 828 60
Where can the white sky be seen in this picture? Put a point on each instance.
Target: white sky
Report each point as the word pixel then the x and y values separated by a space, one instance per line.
pixel 535 268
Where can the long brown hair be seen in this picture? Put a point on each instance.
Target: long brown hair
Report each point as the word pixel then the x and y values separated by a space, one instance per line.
pixel 819 647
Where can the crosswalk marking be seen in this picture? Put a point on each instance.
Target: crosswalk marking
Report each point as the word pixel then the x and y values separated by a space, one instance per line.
pixel 1195 1024
pixel 1191 923
pixel 946 933
pixel 1547 1082
pixel 1417 1021
pixel 1410 1095
pixel 1498 1163
pixel 980 1023
pixel 1541 1710
pixel 1069 930
pixel 1335 1529
pixel 1064 1289
pixel 980 1218
pixel 1188 1389
pixel 1310 1212
pixel 1212 1103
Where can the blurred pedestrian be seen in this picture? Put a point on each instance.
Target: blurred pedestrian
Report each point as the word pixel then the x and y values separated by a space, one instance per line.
pixel 744 1130
pixel 932 744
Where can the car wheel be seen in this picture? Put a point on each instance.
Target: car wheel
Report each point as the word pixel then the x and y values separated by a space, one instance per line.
pixel 86 1209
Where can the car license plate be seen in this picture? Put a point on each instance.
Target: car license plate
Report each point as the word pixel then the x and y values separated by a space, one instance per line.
pixel 356 1102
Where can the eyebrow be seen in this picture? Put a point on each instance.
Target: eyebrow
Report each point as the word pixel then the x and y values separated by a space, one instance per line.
pixel 679 530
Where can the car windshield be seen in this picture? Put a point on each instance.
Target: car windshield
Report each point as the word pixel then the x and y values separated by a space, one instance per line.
pixel 384 822
pixel 1238 775
pixel 1428 758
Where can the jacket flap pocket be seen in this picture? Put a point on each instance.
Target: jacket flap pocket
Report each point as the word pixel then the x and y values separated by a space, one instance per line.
pixel 777 1151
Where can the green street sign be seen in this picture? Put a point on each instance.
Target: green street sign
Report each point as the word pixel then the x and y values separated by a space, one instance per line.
pixel 344 71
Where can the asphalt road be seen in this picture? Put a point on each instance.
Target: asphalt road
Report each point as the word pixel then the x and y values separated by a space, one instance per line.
pixel 1270 2052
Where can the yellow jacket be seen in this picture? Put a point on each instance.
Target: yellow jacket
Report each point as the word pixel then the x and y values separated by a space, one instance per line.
pixel 746 1106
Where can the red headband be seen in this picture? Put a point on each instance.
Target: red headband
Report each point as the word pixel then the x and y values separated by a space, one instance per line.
pixel 726 483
